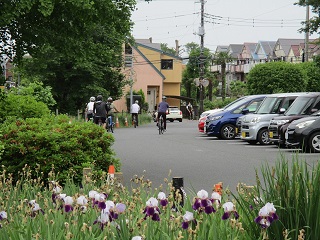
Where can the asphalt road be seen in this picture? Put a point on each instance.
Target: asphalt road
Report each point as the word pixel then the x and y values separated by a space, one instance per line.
pixel 202 161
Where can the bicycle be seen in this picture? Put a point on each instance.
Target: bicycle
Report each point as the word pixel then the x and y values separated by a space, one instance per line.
pixel 110 124
pixel 161 125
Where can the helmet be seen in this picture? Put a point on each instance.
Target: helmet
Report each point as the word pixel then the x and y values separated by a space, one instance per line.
pixel 109 99
pixel 164 97
pixel 92 99
pixel 136 101
pixel 99 98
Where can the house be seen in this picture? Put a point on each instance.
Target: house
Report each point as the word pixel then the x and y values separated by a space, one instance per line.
pixel 153 71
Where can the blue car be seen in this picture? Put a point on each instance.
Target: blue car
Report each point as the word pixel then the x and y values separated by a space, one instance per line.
pixel 223 124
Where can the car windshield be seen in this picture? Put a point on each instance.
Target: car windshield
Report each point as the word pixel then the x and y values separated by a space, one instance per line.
pixel 301 106
pixel 236 104
pixel 269 105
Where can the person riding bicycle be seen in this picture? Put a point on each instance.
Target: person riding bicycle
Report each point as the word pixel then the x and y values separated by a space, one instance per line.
pixel 100 109
pixel 111 108
pixel 163 110
pixel 89 109
pixel 135 108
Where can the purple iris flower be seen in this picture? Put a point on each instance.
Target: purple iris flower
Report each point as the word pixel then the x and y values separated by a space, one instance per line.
pixel 228 210
pixel 267 215
pixel 152 210
pixel 203 203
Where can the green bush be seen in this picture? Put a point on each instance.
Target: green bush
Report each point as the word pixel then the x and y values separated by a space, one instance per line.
pixel 217 103
pixel 51 140
pixel 21 107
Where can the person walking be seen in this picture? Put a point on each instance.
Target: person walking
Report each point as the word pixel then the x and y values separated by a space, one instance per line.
pixel 163 110
pixel 100 109
pixel 89 109
pixel 135 108
pixel 190 111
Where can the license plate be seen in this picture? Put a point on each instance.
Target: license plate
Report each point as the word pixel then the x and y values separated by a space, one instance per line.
pixel 243 134
pixel 270 134
pixel 286 135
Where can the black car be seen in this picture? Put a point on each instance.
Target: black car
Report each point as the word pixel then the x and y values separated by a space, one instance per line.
pixel 303 106
pixel 304 133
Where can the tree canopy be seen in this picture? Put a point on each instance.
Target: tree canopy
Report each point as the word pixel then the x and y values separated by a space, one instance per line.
pixel 75 45
pixel 275 77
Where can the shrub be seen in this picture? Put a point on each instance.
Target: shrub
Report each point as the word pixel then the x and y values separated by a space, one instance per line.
pixel 54 141
pixel 21 107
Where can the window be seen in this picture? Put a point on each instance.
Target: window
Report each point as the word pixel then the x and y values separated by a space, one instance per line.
pixel 167 64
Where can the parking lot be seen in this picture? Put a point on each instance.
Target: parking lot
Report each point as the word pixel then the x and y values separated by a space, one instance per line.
pixel 182 151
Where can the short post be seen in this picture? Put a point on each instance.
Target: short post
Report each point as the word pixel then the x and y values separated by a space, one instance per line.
pixel 177 183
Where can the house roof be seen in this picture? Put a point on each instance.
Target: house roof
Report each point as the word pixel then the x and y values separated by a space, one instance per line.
pixel 150 63
pixel 235 50
pixel 222 48
pixel 295 50
pixel 286 43
pixel 266 47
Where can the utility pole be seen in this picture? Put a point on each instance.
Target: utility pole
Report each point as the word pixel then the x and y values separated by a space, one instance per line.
pixel 201 33
pixel 306 43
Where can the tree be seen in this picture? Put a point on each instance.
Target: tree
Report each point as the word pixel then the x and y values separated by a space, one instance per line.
pixel 314 23
pixel 166 49
pixel 275 77
pixel 75 45
pixel 192 70
pixel 222 58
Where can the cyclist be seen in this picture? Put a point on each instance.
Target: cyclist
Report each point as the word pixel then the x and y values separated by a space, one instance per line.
pixel 111 108
pixel 89 109
pixel 135 108
pixel 163 110
pixel 100 109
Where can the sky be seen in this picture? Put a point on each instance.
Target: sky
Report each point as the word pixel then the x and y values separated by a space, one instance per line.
pixel 225 21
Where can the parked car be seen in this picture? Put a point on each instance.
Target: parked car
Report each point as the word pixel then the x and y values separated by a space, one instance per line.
pixel 203 116
pixel 254 127
pixel 303 106
pixel 223 123
pixel 304 133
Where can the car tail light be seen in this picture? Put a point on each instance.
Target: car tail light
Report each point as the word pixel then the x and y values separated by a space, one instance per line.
pixel 180 112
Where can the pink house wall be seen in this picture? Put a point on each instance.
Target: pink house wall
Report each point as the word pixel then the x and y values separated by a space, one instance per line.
pixel 144 76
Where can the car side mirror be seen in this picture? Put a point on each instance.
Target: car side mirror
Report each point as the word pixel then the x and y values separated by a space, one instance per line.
pixel 282 110
pixel 245 111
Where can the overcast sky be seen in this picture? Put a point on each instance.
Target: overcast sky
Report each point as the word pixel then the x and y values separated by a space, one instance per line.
pixel 226 21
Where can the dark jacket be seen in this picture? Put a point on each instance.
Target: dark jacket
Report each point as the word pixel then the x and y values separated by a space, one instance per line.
pixel 100 109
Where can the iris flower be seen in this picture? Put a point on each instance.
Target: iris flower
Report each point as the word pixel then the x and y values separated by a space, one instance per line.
pixel 82 201
pixel 68 201
pixel 203 203
pixel 103 219
pixel 35 208
pixel 56 190
pixel 228 210
pixel 137 238
pixel 3 216
pixel 163 199
pixel 114 210
pixel 267 215
pixel 188 217
pixel 216 199
pixel 152 210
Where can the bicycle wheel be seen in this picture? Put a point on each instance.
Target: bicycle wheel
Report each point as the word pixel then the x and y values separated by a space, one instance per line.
pixel 160 125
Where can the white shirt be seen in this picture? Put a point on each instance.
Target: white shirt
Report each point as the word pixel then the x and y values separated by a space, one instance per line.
pixel 90 106
pixel 135 108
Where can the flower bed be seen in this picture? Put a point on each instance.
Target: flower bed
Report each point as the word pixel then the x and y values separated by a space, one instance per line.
pixel 42 209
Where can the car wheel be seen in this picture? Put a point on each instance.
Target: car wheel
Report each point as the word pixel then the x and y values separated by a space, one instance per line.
pixel 171 120
pixel 252 142
pixel 263 137
pixel 314 142
pixel 228 131
pixel 180 120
